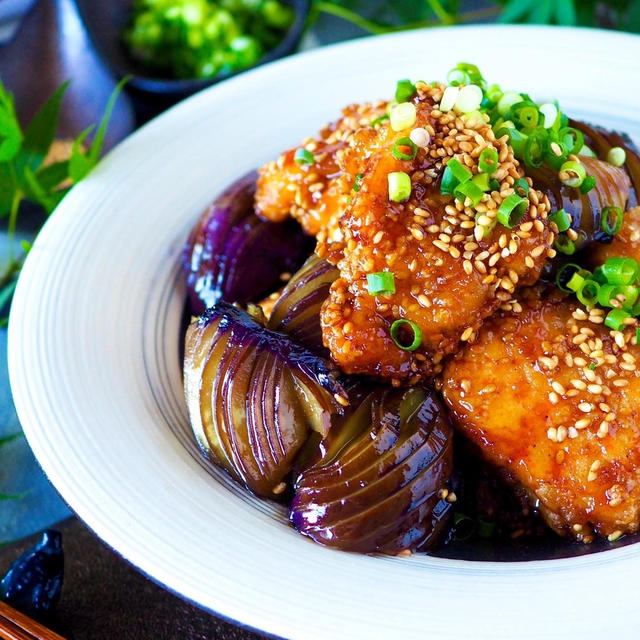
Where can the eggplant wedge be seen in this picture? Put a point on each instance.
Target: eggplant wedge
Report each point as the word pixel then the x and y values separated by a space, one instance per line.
pixel 254 396
pixel 377 482
pixel 233 255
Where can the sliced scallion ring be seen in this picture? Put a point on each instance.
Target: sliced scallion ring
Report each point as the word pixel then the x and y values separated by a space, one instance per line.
pixel 617 156
pixel 621 270
pixel 381 283
pixel 564 244
pixel 612 220
pixel 399 184
pixel 468 190
pixel 488 160
pixel 398 326
pixel 566 272
pixel 587 294
pixel 405 89
pixel 572 173
pixel 303 157
pixel 512 210
pixel 407 143
pixel 616 319
pixel 561 219
pixel 587 184
pixel 521 187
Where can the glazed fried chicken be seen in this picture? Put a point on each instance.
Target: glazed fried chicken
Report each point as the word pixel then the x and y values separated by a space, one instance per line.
pixel 314 193
pixel 453 265
pixel 550 395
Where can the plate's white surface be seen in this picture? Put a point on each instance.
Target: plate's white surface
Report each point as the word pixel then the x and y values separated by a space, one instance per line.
pixel 96 377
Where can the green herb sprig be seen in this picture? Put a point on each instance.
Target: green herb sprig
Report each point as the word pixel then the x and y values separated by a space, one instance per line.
pixel 25 177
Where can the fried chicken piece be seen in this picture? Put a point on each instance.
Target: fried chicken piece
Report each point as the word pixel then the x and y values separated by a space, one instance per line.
pixel 453 266
pixel 550 394
pixel 315 194
pixel 625 244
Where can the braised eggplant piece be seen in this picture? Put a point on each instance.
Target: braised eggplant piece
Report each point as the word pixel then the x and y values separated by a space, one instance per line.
pixel 378 479
pixel 297 311
pixel 612 189
pixel 601 141
pixel 254 396
pixel 232 254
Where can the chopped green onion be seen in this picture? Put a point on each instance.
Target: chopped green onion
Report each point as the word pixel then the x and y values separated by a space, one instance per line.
pixel 621 270
pixel 564 244
pixel 402 116
pixel 612 220
pixel 587 151
pixel 575 282
pixel 550 113
pixel 561 219
pixel 528 115
pixel 303 156
pixel 481 180
pixel 486 527
pixel 521 187
pixel 508 99
pixel 598 275
pixel 616 319
pixel 638 335
pixel 493 93
pixel 488 160
pixel 404 90
pixel 572 173
pixel 464 527
pixel 397 326
pixel 454 174
pixel 512 210
pixel 566 272
pixel 587 184
pixel 399 186
pixel 593 366
pixel 469 99
pixel 457 77
pixel 460 172
pixel 472 72
pixel 571 139
pixel 449 97
pixel 494 185
pixel 535 148
pixel 381 283
pixel 468 190
pixel 356 184
pixel 617 156
pixel 588 292
pixel 377 121
pixel 397 152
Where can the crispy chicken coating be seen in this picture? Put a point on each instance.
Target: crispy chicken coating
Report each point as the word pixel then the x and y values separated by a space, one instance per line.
pixel 453 265
pixel 550 394
pixel 625 244
pixel 315 194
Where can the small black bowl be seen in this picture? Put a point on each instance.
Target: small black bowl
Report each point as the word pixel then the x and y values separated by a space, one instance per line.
pixel 105 21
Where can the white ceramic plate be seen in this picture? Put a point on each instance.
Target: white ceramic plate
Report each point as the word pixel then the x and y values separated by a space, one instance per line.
pixel 96 376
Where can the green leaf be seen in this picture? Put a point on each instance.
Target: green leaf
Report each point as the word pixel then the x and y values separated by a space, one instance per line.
pixel 10 134
pixel 516 10
pixel 98 141
pixel 79 163
pixel 541 13
pixel 53 175
pixel 7 189
pixel 565 12
pixel 35 192
pixel 633 17
pixel 42 129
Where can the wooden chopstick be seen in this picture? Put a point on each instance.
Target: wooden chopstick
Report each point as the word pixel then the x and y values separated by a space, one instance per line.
pixel 17 626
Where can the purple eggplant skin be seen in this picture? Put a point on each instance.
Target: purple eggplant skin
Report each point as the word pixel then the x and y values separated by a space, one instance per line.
pixel 297 310
pixel 377 480
pixel 233 255
pixel 254 396
pixel 612 189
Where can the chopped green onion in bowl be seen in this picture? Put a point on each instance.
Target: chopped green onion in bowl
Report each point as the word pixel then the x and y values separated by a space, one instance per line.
pixel 202 38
